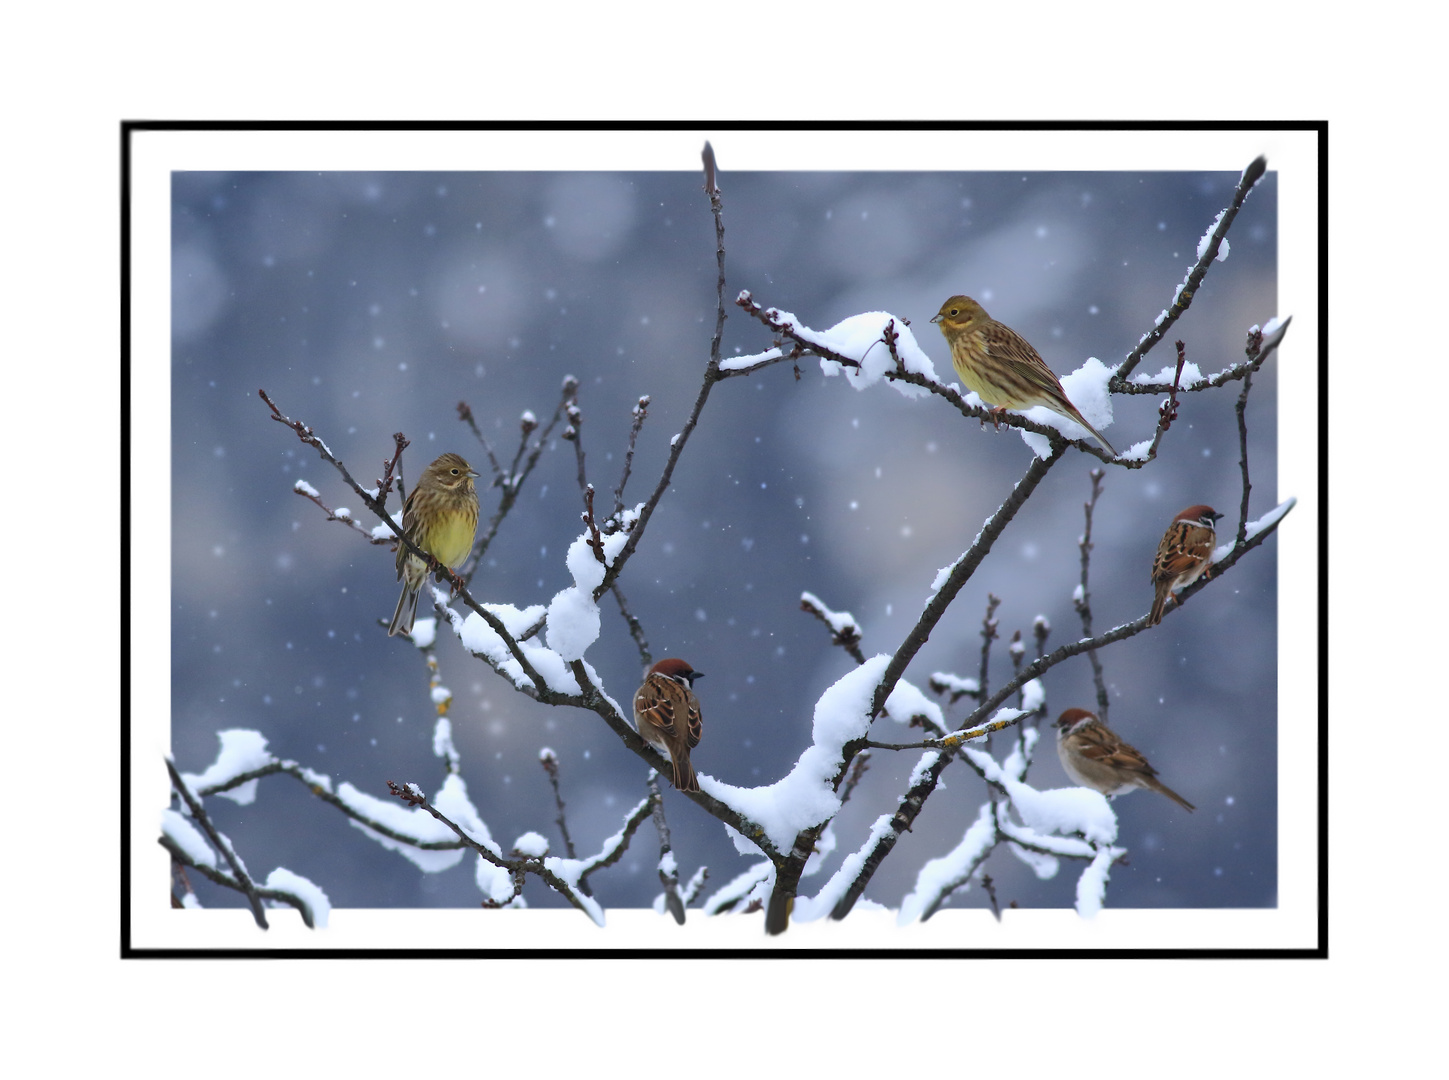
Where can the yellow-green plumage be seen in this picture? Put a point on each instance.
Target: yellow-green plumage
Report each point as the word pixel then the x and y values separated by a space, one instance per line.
pixel 1000 365
pixel 441 517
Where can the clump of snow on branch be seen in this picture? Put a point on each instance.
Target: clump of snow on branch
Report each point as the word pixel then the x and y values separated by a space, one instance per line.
pixel 949 872
pixel 862 339
pixel 690 889
pixel 418 825
pixel 1033 696
pixel 842 623
pixel 242 751
pixel 1268 520
pixel 313 898
pixel 1061 810
pixel 1138 451
pixel 1191 375
pixel 1092 885
pixel 380 531
pixel 745 888
pixel 480 639
pixel 945 683
pixel 741 363
pixel 1086 388
pixel 1273 331
pixel 804 797
pixel 1207 239
pixel 573 870
pixel 907 701
pixel 687 890
pixel 187 837
pixel 1253 528
pixel 1052 820
pixel 1045 866
pixel 425 631
pixel 573 617
pixel 923 767
pixel 495 883
pixel 809 908
pixel 944 574
pixel 443 741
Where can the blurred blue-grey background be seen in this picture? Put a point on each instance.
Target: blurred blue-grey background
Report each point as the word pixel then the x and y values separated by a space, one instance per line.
pixel 372 303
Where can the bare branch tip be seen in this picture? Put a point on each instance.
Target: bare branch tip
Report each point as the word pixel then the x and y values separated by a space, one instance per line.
pixel 711 172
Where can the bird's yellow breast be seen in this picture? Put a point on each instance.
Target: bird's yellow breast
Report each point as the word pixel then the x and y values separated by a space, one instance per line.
pixel 454 538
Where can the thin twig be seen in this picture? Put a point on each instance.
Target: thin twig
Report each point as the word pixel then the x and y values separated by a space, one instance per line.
pixel 956 739
pixel 988 635
pixel 716 207
pixel 574 434
pixel 668 869
pixel 512 483
pixel 1255 344
pixel 636 629
pixel 858 770
pixel 990 887
pixel 465 414
pixel 595 541
pixel 1083 599
pixel 308 492
pixel 640 413
pixel 844 630
pixel 549 760
pixel 711 376
pixel 1167 411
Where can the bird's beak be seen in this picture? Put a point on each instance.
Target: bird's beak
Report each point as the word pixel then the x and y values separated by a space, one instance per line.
pixel 936 317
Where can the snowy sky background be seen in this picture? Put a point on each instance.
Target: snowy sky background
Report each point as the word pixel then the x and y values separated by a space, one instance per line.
pixel 370 303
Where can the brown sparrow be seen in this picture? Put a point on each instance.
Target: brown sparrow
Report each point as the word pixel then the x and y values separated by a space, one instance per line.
pixel 1183 555
pixel 1094 756
pixel 666 714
